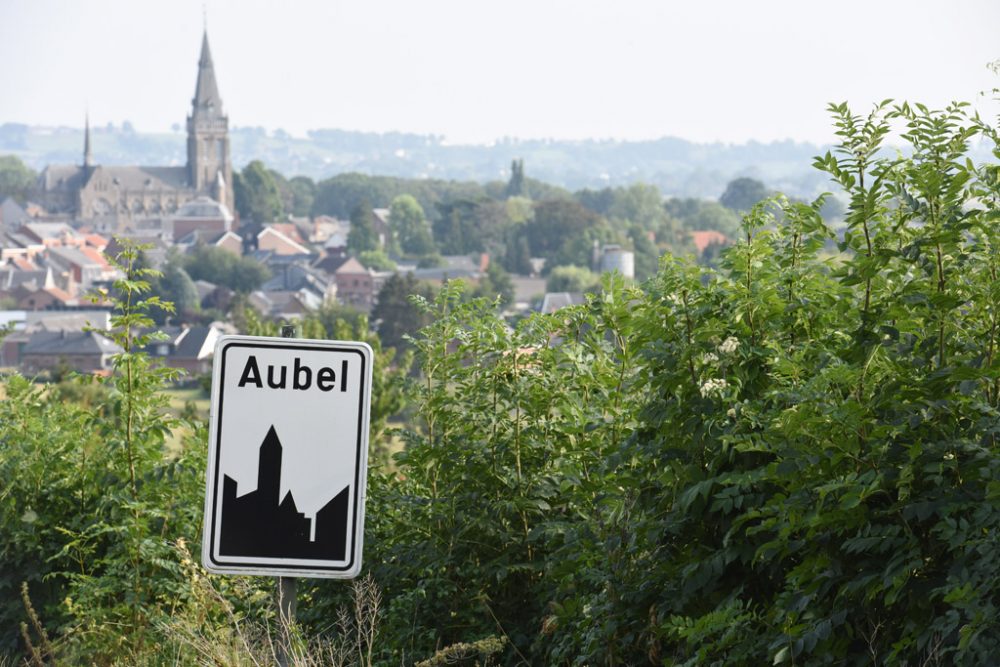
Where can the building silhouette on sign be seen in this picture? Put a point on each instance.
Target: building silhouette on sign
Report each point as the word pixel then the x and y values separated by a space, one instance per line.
pixel 262 524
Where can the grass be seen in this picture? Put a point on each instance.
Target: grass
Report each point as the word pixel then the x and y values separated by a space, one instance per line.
pixel 179 399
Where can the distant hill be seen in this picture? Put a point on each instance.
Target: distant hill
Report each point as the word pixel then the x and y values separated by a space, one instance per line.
pixel 678 167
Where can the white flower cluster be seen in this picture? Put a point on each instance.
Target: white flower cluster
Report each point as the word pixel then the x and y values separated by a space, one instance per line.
pixel 709 358
pixel 713 386
pixel 729 345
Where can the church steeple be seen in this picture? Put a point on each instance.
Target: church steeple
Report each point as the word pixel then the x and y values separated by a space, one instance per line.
pixel 206 92
pixel 88 158
pixel 209 164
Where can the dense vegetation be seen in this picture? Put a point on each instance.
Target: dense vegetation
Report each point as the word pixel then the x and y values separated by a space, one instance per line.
pixel 790 458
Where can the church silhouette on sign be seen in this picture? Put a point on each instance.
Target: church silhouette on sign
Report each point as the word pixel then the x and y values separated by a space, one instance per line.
pixel 262 524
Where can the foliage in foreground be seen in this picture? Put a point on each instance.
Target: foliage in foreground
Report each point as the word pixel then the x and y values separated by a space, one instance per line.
pixel 790 459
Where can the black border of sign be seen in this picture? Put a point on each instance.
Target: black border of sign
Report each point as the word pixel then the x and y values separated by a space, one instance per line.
pixel 218 457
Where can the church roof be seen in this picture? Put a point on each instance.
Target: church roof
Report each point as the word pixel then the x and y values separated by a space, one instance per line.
pixel 143 178
pixel 61 177
pixel 206 92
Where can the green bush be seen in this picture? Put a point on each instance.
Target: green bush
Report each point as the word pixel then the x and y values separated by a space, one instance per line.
pixel 790 459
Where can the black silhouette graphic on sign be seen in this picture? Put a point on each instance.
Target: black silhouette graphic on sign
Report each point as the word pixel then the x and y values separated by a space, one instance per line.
pixel 263 525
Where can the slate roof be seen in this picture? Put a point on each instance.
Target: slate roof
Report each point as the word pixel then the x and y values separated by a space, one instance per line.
pixel 206 91
pixel 47 230
pixel 11 278
pixel 11 213
pixel 69 342
pixel 79 256
pixel 297 276
pixel 193 344
pixel 61 177
pixel 144 178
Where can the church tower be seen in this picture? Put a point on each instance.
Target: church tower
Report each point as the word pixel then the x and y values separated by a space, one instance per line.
pixel 209 165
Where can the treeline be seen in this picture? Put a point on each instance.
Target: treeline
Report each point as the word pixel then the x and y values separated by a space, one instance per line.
pixel 512 221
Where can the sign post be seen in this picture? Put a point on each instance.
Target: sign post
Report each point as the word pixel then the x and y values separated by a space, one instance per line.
pixel 288 595
pixel 287 459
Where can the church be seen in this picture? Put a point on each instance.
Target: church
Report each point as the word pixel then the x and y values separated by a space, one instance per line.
pixel 116 197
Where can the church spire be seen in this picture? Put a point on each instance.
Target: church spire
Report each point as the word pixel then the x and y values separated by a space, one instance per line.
pixel 206 92
pixel 88 158
pixel 209 163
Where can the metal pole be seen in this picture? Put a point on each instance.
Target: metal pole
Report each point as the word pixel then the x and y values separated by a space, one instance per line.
pixel 286 585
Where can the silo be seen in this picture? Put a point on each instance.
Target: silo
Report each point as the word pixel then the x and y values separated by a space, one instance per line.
pixel 616 259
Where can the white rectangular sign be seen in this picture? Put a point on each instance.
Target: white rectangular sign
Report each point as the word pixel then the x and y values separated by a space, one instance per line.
pixel 287 457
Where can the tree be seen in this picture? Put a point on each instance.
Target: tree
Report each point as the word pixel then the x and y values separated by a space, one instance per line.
pixel 457 229
pixel 16 179
pixel 571 279
pixel 409 226
pixel 376 260
pixel 697 215
pixel 176 286
pixel 515 186
pixel 222 267
pixel 517 256
pixel 257 195
pixel 303 191
pixel 362 236
pixel 495 283
pixel 555 223
pixel 394 315
pixel 742 193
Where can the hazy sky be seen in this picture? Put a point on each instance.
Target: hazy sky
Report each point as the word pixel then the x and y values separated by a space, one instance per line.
pixel 478 70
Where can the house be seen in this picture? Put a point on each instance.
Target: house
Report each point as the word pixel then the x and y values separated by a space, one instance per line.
pixel 325 228
pixel 12 214
pixel 705 238
pixel 330 260
pixel 82 351
pixel 214 297
pixel 12 277
pixel 454 267
pixel 202 214
pixel 86 265
pixel 286 305
pixel 44 298
pixel 29 322
pixel 282 239
pixel 16 244
pixel 187 348
pixel 230 241
pixel 553 301
pixel 51 234
pixel 358 286
pixel 297 276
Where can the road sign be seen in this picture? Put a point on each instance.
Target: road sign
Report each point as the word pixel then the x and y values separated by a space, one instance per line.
pixel 287 457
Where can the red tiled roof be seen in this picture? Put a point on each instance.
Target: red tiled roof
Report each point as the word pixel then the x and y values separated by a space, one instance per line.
pixel 703 239
pixel 96 256
pixel 97 241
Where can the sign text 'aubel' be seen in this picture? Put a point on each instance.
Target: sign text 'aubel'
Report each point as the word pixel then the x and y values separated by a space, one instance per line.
pixel 288 457
pixel 302 376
